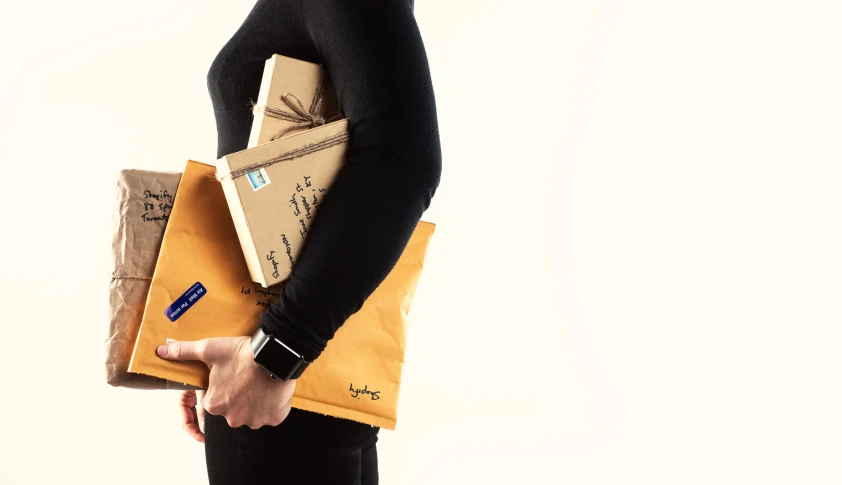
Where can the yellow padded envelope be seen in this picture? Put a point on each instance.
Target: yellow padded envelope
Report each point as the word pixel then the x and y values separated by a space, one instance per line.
pixel 357 377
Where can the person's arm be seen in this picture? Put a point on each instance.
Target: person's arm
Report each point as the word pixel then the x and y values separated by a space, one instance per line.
pixel 373 52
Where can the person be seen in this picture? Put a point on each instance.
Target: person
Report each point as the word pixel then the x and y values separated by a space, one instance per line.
pixel 373 52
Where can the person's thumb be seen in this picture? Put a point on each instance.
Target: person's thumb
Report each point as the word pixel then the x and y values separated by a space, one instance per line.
pixel 180 350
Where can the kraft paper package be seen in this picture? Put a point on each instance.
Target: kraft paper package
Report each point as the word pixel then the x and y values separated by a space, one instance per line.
pixel 144 200
pixel 292 174
pixel 201 288
pixel 294 95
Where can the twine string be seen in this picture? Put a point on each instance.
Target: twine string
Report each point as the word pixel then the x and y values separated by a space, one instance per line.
pixel 314 147
pixel 318 96
pixel 116 276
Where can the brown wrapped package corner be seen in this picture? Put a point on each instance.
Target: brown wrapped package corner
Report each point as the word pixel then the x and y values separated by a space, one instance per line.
pixel 143 207
pixel 309 85
pixel 357 377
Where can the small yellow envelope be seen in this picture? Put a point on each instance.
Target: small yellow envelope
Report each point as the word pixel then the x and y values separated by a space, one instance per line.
pixel 201 288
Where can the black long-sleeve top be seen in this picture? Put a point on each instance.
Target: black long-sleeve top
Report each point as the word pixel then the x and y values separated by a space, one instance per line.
pixel 373 52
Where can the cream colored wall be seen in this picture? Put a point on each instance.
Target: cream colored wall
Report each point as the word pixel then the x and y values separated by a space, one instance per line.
pixel 634 278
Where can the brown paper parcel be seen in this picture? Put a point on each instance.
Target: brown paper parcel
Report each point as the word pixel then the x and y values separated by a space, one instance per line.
pixel 312 101
pixel 272 240
pixel 144 200
pixel 357 377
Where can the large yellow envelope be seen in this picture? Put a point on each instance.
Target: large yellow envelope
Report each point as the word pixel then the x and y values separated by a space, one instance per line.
pixel 357 377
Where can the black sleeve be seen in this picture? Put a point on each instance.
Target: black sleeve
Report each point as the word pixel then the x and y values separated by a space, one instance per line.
pixel 373 52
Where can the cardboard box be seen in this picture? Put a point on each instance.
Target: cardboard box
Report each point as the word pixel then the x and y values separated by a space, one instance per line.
pixel 300 170
pixel 144 200
pixel 275 116
pixel 201 272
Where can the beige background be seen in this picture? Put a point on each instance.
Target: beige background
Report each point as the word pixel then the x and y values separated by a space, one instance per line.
pixel 634 279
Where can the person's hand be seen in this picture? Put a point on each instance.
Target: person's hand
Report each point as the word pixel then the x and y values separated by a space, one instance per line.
pixel 238 388
pixel 192 419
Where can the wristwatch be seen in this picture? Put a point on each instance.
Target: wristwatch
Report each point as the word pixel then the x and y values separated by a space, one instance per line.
pixel 275 357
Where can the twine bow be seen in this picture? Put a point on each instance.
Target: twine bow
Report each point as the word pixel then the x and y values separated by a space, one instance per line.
pixel 299 116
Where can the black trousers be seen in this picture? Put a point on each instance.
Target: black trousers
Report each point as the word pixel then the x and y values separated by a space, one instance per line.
pixel 307 448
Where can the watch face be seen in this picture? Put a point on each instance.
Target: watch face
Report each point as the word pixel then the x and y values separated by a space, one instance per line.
pixel 277 359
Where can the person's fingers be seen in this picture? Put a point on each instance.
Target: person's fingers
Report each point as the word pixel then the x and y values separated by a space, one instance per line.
pixel 200 411
pixel 183 350
pixel 188 417
pixel 187 398
pixel 212 405
pixel 194 432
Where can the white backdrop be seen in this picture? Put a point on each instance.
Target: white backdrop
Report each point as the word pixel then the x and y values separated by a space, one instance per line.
pixel 636 271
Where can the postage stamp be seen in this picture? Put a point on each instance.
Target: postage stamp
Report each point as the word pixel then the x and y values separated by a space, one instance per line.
pixel 258 179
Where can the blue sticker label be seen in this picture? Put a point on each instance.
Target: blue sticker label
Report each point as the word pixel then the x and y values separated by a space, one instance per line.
pixel 185 301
